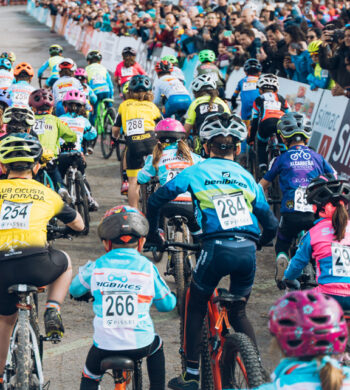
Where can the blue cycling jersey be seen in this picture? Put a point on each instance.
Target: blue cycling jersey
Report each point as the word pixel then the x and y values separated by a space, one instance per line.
pixel 249 92
pixel 296 168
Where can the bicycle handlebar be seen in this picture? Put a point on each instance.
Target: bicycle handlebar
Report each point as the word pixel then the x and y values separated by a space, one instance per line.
pixel 56 232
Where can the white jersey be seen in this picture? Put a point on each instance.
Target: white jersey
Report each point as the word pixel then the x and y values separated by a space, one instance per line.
pixel 178 73
pixel 20 92
pixel 168 85
pixel 63 85
pixel 6 78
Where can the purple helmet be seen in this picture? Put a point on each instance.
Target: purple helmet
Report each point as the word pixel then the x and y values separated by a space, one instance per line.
pixel 40 98
pixel 308 323
pixel 5 98
pixel 168 129
pixel 74 96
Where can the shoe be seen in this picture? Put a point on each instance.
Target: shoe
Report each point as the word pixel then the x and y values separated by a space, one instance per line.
pixel 125 188
pixel 282 262
pixel 262 169
pixel 179 383
pixel 64 194
pixel 53 323
pixel 90 150
pixel 93 205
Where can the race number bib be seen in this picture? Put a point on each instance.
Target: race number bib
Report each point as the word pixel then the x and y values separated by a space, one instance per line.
pixel 20 97
pixel 127 72
pixel 232 210
pixel 272 105
pixel 300 202
pixel 119 310
pixel 204 108
pixel 340 260
pixel 248 86
pixel 172 173
pixel 39 126
pixel 97 79
pixel 135 126
pixel 15 215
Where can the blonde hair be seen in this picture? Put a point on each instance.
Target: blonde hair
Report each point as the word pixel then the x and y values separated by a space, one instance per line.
pixel 183 152
pixel 141 95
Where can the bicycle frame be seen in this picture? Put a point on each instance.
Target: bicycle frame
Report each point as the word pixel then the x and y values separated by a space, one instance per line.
pixel 101 112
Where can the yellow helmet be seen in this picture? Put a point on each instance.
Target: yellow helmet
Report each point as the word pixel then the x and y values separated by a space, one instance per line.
pixel 126 87
pixel 24 148
pixel 314 46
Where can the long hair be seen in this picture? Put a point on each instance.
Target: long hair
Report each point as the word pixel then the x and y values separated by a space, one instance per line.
pixel 213 93
pixel 183 152
pixel 340 220
pixel 141 96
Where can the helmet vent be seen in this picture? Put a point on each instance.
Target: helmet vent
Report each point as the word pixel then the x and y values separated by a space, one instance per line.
pixel 312 297
pixel 294 343
pixel 287 322
pixel 320 320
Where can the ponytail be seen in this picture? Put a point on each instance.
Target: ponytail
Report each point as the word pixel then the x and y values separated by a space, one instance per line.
pixel 157 154
pixel 213 95
pixel 331 376
pixel 340 220
pixel 183 151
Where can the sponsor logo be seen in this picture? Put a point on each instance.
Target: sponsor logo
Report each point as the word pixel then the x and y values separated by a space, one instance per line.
pixel 225 181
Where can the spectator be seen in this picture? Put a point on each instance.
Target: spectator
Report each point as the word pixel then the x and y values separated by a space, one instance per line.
pixel 211 32
pixel 167 35
pixel 248 17
pixel 313 34
pixel 249 47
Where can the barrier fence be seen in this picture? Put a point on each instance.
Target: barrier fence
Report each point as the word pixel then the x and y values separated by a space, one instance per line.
pixel 329 115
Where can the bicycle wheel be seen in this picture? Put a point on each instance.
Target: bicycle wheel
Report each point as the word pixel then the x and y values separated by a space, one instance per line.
pixel 179 274
pixel 207 377
pixel 240 363
pixel 251 161
pixel 82 203
pixel 23 352
pixel 119 147
pixel 275 197
pixel 107 143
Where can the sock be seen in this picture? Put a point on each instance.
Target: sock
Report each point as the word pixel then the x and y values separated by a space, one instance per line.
pixel 192 371
pixel 53 305
pixel 125 176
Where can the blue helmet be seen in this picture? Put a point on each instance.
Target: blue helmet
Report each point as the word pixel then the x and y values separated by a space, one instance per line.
pixel 5 63
pixel 5 98
pixel 140 83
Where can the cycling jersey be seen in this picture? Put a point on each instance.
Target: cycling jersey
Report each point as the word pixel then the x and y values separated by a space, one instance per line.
pixel 124 74
pixel 319 78
pixel 269 105
pixel 296 168
pixel 99 79
pixel 332 258
pixel 81 127
pixel 178 73
pixel 90 95
pixel 123 278
pixel 50 129
pixel 168 85
pixel 213 70
pixel 63 85
pixel 249 92
pixel 6 78
pixel 20 92
pixel 169 166
pixel 51 63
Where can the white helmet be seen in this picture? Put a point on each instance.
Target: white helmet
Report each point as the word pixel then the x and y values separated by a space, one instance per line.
pixel 204 81
pixel 223 124
pixel 268 80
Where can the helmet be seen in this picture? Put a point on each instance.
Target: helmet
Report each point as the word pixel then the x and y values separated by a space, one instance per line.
pixel 126 87
pixel 223 124
pixel 128 50
pixel 293 123
pixel 20 148
pixel 41 97
pixel 55 50
pixel 164 67
pixel 314 46
pixel 94 55
pixel 5 98
pixel 9 55
pixel 207 56
pixel 80 73
pixel 308 323
pixel 24 67
pixel 67 63
pixel 169 129
pixel 19 115
pixel 74 96
pixel 203 82
pixel 5 63
pixel 170 58
pixel 268 81
pixel 252 64
pixel 328 188
pixel 123 224
pixel 140 83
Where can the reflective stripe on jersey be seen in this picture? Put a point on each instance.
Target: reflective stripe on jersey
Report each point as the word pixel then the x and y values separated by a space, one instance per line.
pixel 20 92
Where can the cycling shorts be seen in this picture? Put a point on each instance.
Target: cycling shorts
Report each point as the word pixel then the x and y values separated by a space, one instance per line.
pixel 184 209
pixel 226 256
pixel 177 104
pixel 136 152
pixel 267 128
pixel 35 266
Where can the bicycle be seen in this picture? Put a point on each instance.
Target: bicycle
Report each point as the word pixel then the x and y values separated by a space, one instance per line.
pixel 251 160
pixel 119 144
pixel 41 79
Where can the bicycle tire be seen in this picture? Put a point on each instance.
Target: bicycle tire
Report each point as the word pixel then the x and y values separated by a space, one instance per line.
pixel 82 203
pixel 34 321
pixel 23 352
pixel 107 144
pixel 179 274
pixel 239 354
pixel 207 377
pixel 275 196
pixel 119 147
pixel 137 377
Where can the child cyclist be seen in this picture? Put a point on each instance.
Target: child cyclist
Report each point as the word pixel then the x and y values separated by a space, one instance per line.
pixel 295 169
pixel 21 89
pixel 5 101
pixel 309 330
pixel 6 74
pixel 82 76
pixel 137 116
pixel 170 156
pixel 177 72
pixel 123 230
pixel 52 63
pixel 328 241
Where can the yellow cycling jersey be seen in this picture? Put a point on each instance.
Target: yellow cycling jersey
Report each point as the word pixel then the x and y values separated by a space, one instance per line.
pixel 137 117
pixel 26 206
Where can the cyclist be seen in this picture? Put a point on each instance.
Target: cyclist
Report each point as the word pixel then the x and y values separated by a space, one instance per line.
pixel 170 156
pixel 52 63
pixel 19 120
pixel 50 129
pixel 75 117
pixel 82 76
pixel 127 68
pixel 295 169
pixel 137 116
pixel 308 328
pixel 207 66
pixel 26 208
pixel 9 55
pixel 6 73
pixel 122 231
pixel 177 72
pixel 5 101
pixel 169 89
pixel 267 110
pixel 229 204
pixel 21 89
pixel 328 241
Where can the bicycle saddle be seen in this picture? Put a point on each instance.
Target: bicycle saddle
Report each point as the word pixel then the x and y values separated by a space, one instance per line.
pixel 22 288
pixel 225 298
pixel 117 363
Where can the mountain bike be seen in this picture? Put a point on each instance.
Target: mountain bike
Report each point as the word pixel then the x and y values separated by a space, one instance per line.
pixel 105 119
pixel 119 144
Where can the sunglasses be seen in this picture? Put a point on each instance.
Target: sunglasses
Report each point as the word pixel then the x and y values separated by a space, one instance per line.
pixel 311 36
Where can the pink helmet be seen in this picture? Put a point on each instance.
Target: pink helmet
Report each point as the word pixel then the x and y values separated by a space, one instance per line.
pixel 308 323
pixel 41 98
pixel 81 73
pixel 169 129
pixel 74 96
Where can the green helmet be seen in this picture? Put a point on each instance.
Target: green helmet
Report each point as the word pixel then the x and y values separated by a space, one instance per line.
pixel 170 58
pixel 207 56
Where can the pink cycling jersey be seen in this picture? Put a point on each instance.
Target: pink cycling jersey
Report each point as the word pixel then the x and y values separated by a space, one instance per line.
pixel 124 74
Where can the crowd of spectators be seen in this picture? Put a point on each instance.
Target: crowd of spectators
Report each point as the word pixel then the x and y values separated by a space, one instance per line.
pixel 278 35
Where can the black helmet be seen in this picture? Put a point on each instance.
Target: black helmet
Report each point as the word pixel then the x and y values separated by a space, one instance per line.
pixel 123 225
pixel 128 50
pixel 252 64
pixel 94 55
pixel 328 188
pixel 293 123
pixel 140 83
